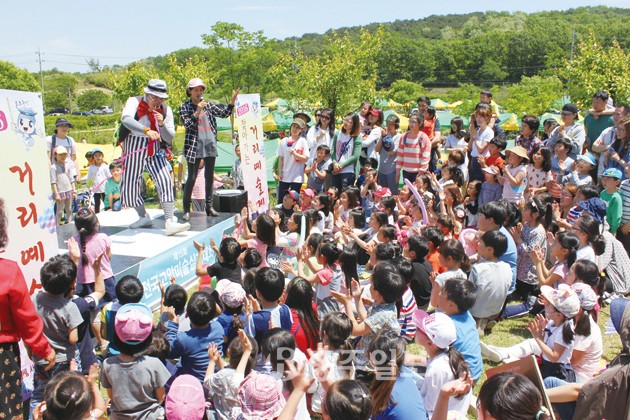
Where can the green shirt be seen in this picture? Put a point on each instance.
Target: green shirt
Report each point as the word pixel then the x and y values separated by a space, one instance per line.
pixel 614 208
pixel 594 127
pixel 111 187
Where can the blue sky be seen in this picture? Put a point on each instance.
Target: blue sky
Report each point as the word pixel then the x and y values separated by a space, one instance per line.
pixel 118 32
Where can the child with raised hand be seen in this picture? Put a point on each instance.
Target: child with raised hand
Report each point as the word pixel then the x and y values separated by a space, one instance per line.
pixel 471 203
pixel 513 175
pixel 222 386
pixel 290 239
pixel 328 279
pixel 539 172
pixel 232 298
pixel 269 286
pixel 564 252
pixel 368 189
pixel 264 234
pixel 453 259
pixel 386 288
pixel 537 217
pixel 437 334
pixel 93 243
pixel 333 360
pixel 61 320
pixel 191 346
pixel 69 395
pixel 353 227
pixel 227 266
pixel 176 296
pixel 491 190
pixel 139 379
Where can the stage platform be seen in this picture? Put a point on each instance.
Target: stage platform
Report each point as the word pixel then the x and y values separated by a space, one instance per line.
pixel 149 254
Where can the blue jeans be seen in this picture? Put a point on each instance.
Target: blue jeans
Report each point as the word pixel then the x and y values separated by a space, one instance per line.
pixel 41 379
pixel 388 181
pixel 565 410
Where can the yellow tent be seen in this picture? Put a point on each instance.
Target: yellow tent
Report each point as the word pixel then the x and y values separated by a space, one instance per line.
pixel 439 104
pixel 455 104
pixel 278 102
pixel 110 153
pixel 404 121
pixel 511 124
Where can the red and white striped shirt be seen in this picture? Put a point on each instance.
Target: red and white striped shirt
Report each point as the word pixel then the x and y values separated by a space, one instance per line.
pixel 414 154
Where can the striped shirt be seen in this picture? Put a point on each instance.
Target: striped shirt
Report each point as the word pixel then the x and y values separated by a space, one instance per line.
pixel 624 192
pixel 407 327
pixel 414 153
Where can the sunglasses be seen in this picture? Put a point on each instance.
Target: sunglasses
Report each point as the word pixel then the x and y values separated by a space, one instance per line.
pixel 324 117
pixel 318 115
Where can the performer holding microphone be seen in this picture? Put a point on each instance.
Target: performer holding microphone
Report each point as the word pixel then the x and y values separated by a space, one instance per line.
pixel 199 119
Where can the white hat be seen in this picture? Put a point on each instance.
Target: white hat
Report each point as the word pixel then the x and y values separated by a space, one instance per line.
pixel 438 327
pixel 60 150
pixel 157 88
pixel 231 294
pixel 564 299
pixel 196 82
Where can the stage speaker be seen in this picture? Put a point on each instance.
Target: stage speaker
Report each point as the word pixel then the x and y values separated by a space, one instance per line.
pixel 229 201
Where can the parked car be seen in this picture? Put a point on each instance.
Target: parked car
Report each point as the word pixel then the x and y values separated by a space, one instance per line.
pixel 102 110
pixel 83 113
pixel 58 111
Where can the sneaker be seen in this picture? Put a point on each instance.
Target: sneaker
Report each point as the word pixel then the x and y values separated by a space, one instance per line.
pixel 172 227
pixel 186 217
pixel 490 353
pixel 143 222
pixel 489 326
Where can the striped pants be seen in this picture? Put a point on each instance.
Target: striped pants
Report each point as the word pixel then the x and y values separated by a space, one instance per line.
pixel 135 161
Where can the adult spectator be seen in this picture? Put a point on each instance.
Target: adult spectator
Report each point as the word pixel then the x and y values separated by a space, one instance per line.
pixel 608 136
pixel 18 320
pixel 200 144
pixel 595 122
pixel 480 136
pixel 492 216
pixel 322 132
pixel 61 138
pixel 149 122
pixel 346 149
pixel 570 130
pixel 617 155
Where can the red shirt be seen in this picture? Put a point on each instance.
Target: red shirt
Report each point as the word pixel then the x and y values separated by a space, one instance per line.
pixel 298 331
pixel 432 258
pixel 18 318
pixel 496 161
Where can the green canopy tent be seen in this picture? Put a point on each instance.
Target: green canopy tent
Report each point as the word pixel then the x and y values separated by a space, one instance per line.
pixel 439 104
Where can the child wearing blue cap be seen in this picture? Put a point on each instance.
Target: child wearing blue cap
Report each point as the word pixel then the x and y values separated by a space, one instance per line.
pixel 611 178
pixel 580 171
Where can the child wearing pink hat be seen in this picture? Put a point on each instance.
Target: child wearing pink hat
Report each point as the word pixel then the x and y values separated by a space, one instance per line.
pixel 139 379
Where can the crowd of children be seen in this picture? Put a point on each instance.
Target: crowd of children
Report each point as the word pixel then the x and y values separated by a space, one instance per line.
pixel 314 302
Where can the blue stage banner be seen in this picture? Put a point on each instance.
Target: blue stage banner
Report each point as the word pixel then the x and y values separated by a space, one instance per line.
pixel 178 262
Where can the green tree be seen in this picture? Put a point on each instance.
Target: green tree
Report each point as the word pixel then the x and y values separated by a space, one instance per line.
pixel 55 99
pixel 403 91
pixel 15 78
pixel 339 78
pixel 131 80
pixel 597 68
pixel 62 85
pixel 533 95
pixel 239 58
pixel 93 98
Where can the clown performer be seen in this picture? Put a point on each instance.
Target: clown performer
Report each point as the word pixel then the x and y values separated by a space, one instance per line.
pixel 150 122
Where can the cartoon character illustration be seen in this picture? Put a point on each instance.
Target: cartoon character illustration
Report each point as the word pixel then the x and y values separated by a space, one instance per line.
pixel 26 126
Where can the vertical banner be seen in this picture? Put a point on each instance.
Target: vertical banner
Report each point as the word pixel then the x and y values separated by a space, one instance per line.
pixel 26 190
pixel 253 164
pixel 25 180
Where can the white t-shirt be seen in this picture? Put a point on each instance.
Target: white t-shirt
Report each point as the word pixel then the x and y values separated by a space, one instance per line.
pixel 586 253
pixel 100 175
pixel 485 136
pixel 315 138
pixel 556 337
pixel 592 347
pixel 70 145
pixel 453 142
pixel 438 373
pixel 458 274
pixel 292 170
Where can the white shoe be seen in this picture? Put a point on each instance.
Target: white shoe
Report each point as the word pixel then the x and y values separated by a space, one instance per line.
pixel 143 222
pixel 490 352
pixel 172 227
pixel 186 217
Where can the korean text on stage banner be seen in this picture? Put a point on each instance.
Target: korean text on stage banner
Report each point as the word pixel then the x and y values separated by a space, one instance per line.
pixel 253 164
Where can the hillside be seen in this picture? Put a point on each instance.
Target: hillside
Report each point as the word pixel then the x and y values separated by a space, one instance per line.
pixel 481 48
